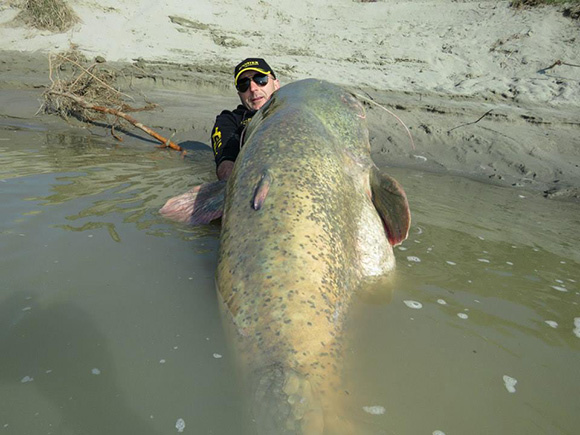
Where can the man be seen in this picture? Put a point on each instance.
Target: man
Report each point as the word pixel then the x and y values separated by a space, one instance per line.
pixel 255 82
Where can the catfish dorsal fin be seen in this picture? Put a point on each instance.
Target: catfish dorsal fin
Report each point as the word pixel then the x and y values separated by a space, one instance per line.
pixel 200 205
pixel 391 203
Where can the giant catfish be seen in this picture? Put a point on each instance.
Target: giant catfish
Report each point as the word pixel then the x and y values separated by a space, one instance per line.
pixel 307 220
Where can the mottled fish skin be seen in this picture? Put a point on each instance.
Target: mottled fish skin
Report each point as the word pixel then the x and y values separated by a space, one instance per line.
pixel 300 234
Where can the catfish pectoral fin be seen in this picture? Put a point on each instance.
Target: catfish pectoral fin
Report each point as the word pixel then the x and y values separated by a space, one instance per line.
pixel 391 203
pixel 261 191
pixel 200 205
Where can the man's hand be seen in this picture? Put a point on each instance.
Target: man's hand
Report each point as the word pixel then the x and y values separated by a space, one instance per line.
pixel 225 169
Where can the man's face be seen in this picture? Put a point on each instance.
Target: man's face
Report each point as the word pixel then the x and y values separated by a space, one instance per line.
pixel 256 96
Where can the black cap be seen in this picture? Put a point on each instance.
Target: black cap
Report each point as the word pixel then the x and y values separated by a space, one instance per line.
pixel 252 64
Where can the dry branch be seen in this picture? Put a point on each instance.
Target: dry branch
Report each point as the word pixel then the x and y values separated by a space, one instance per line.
pixel 88 95
pixel 473 122
pixel 86 105
pixel 555 64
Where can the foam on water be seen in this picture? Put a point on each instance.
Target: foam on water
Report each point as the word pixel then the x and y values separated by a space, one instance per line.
pixel 180 425
pixel 414 304
pixel 577 327
pixel 374 410
pixel 510 383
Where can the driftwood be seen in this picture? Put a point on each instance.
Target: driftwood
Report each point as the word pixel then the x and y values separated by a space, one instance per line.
pixel 89 90
pixel 86 105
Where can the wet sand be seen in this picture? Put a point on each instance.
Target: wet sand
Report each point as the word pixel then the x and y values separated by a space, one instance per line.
pixel 532 148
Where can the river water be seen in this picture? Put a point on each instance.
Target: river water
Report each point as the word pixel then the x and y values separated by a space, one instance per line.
pixel 109 321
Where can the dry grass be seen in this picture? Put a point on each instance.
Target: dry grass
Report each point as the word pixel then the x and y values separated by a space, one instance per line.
pixel 530 3
pixel 70 73
pixel 53 15
pixel 86 92
pixel 571 8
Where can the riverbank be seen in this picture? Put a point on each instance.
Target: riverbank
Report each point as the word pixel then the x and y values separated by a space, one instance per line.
pixel 478 84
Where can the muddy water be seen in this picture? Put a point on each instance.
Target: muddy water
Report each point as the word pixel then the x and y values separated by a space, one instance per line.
pixel 109 322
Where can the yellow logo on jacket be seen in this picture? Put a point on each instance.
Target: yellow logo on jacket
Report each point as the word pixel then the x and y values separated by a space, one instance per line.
pixel 216 140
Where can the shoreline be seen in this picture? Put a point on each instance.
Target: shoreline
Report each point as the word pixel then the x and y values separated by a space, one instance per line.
pixel 488 92
pixel 451 133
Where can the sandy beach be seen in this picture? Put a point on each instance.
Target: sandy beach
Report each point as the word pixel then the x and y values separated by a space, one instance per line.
pixel 489 92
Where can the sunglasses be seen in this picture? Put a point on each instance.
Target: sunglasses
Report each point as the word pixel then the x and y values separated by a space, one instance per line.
pixel 244 84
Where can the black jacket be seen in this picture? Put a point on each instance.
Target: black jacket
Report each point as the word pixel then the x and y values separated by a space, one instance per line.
pixel 227 132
